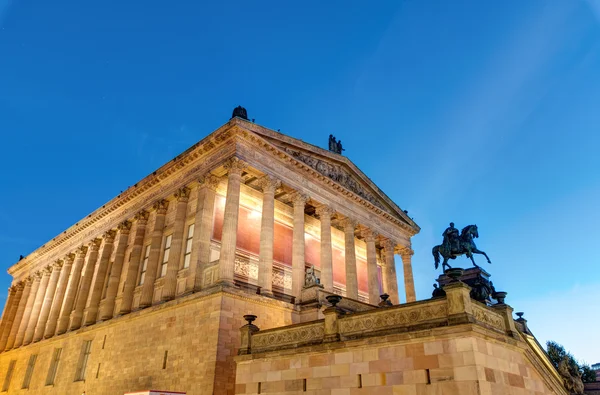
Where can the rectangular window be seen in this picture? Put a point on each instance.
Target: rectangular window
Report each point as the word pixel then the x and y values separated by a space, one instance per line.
pixel 86 349
pixel 53 366
pixel 188 246
pixel 29 371
pixel 165 261
pixel 144 264
pixel 9 373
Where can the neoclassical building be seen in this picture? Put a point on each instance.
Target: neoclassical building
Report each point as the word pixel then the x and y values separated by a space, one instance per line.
pixel 144 291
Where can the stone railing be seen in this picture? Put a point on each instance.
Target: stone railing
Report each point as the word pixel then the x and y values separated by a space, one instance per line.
pixel 455 309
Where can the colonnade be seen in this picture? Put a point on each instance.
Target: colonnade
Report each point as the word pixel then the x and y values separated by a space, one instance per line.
pixel 79 290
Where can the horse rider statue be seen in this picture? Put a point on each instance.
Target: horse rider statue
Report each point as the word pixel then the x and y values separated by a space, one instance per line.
pixel 455 245
pixel 451 239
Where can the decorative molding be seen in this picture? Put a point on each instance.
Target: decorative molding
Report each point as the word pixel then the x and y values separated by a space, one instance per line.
pixel 235 166
pixel 286 337
pixel 209 181
pixel 392 318
pixel 160 206
pixel 182 194
pixel 268 183
pixel 491 318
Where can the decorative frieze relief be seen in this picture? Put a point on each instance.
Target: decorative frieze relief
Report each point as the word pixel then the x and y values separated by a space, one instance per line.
pixel 297 335
pixel 392 318
pixel 486 316
pixel 336 173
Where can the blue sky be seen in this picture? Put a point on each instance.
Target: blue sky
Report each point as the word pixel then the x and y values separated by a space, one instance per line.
pixel 468 111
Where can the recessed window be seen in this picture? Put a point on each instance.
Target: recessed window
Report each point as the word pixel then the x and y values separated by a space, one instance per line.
pixel 144 264
pixel 53 366
pixel 165 261
pixel 188 246
pixel 9 373
pixel 86 349
pixel 29 371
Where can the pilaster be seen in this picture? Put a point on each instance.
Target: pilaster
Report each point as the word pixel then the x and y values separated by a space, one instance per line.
pixel 140 220
pixel 160 210
pixel 170 285
pixel 298 244
pixel 107 309
pixel 267 231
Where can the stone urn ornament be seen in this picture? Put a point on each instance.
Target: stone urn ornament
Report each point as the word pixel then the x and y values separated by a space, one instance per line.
pixel 500 296
pixel 333 299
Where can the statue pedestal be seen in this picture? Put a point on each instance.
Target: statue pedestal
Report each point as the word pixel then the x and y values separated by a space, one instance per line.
pixel 476 278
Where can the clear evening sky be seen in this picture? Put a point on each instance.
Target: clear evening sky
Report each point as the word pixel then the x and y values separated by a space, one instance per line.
pixel 484 112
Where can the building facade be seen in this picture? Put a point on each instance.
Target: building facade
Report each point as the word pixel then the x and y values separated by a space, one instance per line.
pixel 149 291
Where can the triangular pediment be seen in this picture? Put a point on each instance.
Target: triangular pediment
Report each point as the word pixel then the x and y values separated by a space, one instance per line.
pixel 337 168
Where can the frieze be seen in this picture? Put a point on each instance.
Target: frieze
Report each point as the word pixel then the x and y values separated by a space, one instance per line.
pixel 392 318
pixel 336 173
pixel 294 336
pixel 491 318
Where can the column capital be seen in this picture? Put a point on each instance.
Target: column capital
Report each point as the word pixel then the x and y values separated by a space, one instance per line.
pixel 20 285
pixel 94 245
pixel 109 236
pixel 160 206
pixel 68 258
pixel 141 216
pixel 388 245
pixel 235 165
pixel 325 210
pixel 182 194
pixel 349 224
pixel 369 235
pixel 37 275
pixel 81 251
pixel 58 264
pixel 405 251
pixel 12 289
pixel 209 181
pixel 299 198
pixel 47 270
pixel 268 183
pixel 124 227
pixel 28 280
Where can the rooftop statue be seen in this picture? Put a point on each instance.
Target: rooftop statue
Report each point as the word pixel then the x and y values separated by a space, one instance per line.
pixel 335 146
pixel 456 244
pixel 240 112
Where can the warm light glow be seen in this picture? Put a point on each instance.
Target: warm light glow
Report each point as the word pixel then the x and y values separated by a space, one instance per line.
pixel 254 214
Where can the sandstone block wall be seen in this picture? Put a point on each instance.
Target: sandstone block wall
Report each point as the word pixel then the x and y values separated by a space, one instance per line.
pixel 184 345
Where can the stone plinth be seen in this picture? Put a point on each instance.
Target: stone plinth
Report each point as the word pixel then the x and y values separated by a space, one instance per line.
pixel 474 277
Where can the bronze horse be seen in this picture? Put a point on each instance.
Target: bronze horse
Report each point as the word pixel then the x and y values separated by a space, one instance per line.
pixel 466 246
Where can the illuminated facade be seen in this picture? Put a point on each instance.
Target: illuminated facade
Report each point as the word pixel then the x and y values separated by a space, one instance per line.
pixel 149 290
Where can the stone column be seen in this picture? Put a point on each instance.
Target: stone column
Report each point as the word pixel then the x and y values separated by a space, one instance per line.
pixel 298 245
pixel 325 213
pixel 93 303
pixel 106 312
pixel 12 290
pixel 72 286
pixel 47 303
pixel 170 285
pixel 14 297
pixel 85 284
pixel 372 274
pixel 235 167
pixel 409 283
pixel 203 226
pixel 37 305
pixel 160 210
pixel 59 297
pixel 267 234
pixel 350 258
pixel 140 220
pixel 390 280
pixel 37 277
pixel 14 330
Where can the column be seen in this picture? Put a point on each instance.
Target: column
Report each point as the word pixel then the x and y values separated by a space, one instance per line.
pixel 160 210
pixel 298 245
pixel 235 168
pixel 107 310
pixel 268 185
pixel 85 284
pixel 59 297
pixel 19 314
pixel 28 307
pixel 14 298
pixel 47 303
pixel 409 283
pixel 325 213
pixel 170 285
pixel 203 226
pixel 390 280
pixel 37 305
pixel 372 274
pixel 72 286
pixel 350 258
pixel 140 221
pixel 93 303
pixel 12 290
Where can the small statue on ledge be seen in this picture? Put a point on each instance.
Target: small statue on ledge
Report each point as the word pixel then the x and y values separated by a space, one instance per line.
pixel 310 278
pixel 335 146
pixel 456 244
pixel 438 292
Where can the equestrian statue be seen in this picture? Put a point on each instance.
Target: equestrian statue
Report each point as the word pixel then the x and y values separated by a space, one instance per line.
pixel 456 244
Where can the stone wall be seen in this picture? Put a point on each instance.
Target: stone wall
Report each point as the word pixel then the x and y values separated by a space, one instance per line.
pixel 199 334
